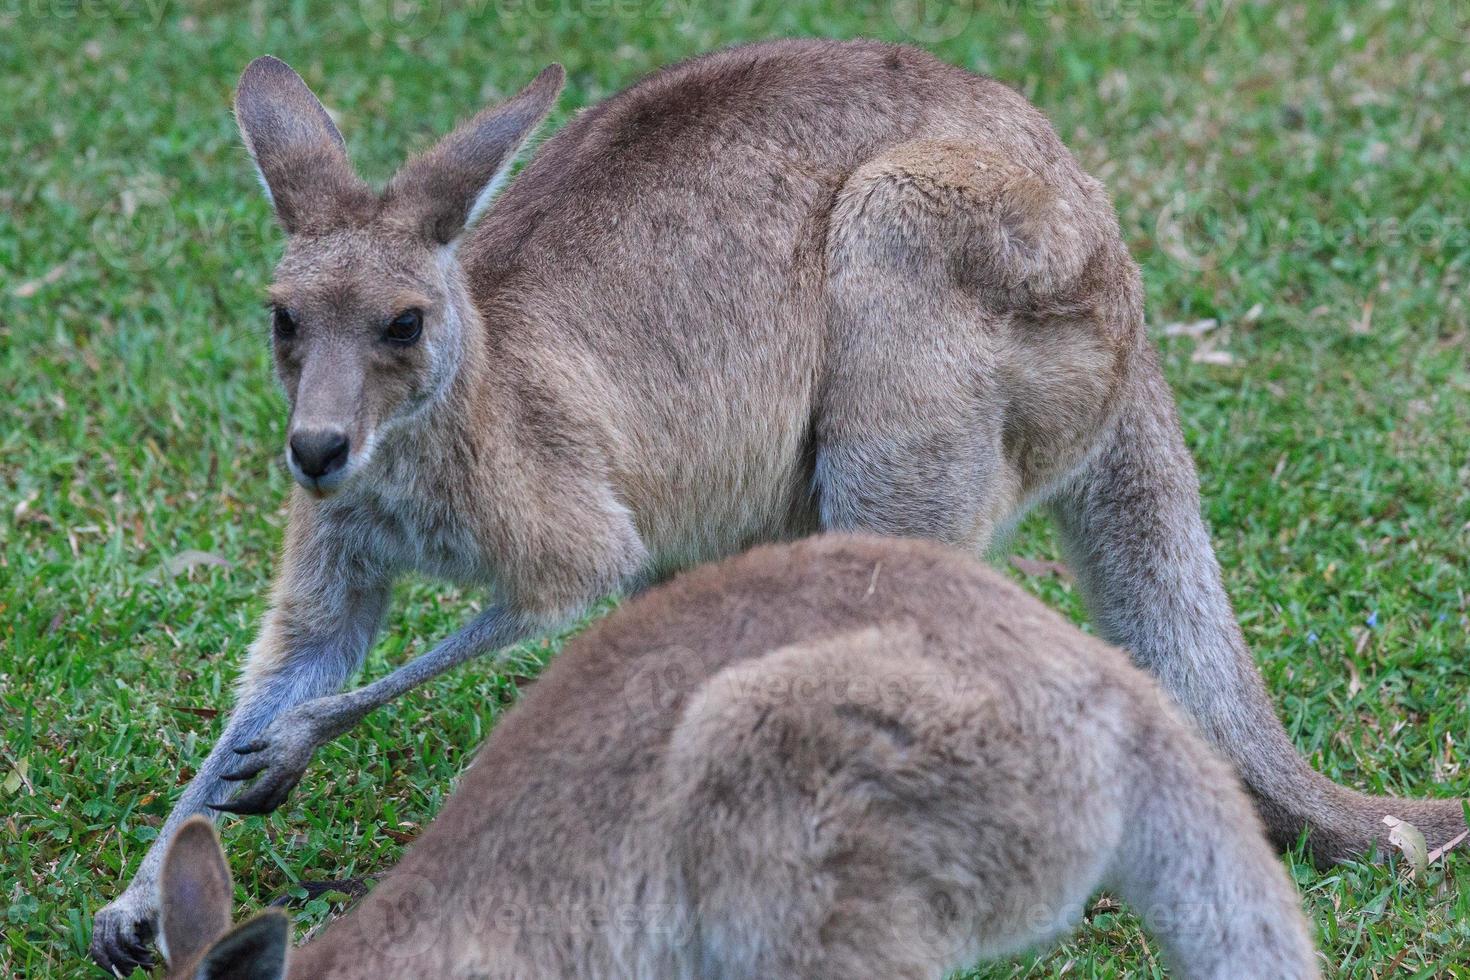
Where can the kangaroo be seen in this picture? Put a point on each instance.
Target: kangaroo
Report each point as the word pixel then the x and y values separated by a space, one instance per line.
pixel 851 756
pixel 796 286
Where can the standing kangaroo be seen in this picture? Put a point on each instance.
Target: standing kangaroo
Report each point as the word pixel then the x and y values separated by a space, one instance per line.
pixel 796 286
pixel 850 757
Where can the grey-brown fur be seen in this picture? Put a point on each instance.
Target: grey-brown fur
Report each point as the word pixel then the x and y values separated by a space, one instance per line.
pixel 849 757
pixel 788 287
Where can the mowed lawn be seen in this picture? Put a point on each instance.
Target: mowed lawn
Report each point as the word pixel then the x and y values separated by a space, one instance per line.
pixel 1294 179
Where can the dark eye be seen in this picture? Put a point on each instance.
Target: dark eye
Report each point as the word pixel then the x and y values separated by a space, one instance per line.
pixel 405 327
pixel 284 322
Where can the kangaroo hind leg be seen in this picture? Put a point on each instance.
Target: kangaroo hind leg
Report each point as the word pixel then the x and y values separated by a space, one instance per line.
pixel 1195 864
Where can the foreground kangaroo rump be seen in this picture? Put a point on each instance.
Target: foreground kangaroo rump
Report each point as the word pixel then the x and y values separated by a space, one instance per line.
pixel 796 286
pixel 851 757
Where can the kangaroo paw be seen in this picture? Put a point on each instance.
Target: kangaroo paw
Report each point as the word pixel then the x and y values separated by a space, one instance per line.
pixel 122 936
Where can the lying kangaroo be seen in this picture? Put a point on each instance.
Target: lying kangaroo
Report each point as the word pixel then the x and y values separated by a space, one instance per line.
pixel 848 757
pixel 795 286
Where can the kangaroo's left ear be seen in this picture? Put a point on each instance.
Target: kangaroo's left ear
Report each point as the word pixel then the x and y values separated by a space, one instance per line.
pixel 253 950
pixel 194 892
pixel 443 191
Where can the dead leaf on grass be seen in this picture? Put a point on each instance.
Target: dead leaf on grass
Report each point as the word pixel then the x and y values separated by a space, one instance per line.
pixel 1407 838
pixel 197 712
pixel 1205 354
pixel 33 286
pixel 1193 328
pixel 1446 847
pixel 187 561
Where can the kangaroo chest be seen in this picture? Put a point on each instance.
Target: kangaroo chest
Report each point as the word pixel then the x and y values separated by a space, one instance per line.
pixel 431 538
pixel 411 523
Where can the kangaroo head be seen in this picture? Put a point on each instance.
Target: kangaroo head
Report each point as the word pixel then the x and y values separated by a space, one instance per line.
pixel 194 902
pixel 370 314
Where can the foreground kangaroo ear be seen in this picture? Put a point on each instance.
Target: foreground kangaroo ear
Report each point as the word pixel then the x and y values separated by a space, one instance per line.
pixel 447 188
pixel 253 950
pixel 301 157
pixel 194 892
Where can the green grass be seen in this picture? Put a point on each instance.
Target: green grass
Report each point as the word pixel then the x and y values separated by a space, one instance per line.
pixel 1298 172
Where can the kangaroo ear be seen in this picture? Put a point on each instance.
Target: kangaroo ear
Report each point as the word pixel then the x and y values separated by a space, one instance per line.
pixel 253 950
pixel 195 892
pixel 301 157
pixel 446 189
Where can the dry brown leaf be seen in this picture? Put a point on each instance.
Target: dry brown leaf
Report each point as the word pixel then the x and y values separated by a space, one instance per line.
pixel 197 712
pixel 28 289
pixel 24 515
pixel 186 561
pixel 1446 847
pixel 1211 355
pixel 400 836
pixel 1364 323
pixel 1194 328
pixel 1407 838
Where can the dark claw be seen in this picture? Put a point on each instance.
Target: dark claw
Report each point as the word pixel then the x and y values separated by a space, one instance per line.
pixel 249 747
pixel 247 771
pixel 248 805
pixel 260 799
pixel 142 957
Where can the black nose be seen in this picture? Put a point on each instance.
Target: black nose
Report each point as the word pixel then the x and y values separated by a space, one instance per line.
pixel 319 452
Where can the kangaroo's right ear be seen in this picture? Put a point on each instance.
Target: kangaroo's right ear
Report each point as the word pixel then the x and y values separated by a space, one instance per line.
pixel 194 892
pixel 445 190
pixel 296 147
